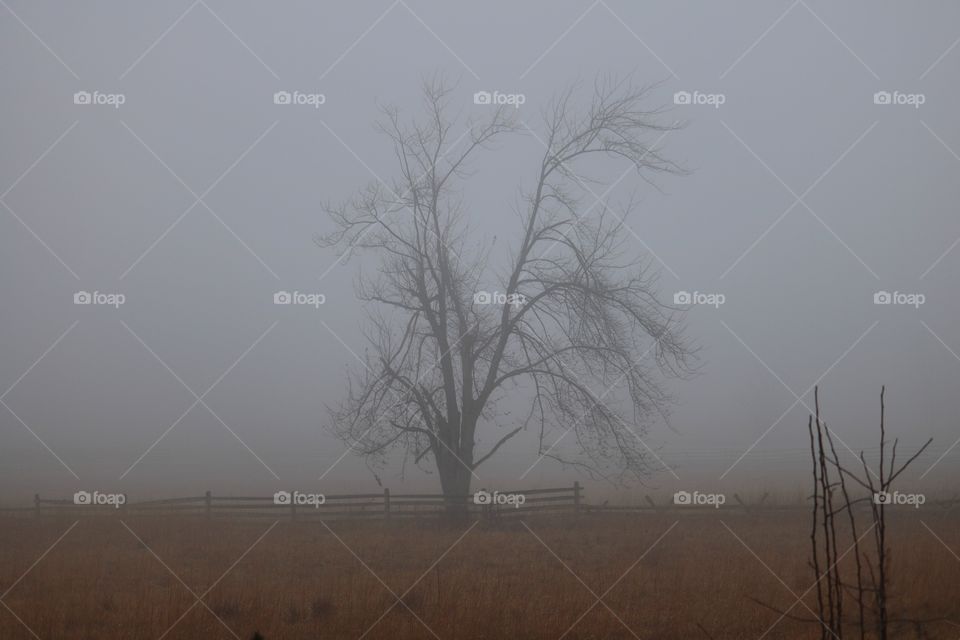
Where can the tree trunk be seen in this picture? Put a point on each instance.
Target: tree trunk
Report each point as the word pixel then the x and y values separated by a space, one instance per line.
pixel 455 477
pixel 455 482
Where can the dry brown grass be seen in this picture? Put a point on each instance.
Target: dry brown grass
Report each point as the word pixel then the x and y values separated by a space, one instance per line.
pixel 300 581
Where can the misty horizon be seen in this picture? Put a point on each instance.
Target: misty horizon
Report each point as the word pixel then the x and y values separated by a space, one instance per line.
pixel 180 157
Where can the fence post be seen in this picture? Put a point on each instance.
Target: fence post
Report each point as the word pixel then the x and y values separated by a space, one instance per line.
pixel 576 496
pixel 208 503
pixel 486 508
pixel 386 503
pixel 36 505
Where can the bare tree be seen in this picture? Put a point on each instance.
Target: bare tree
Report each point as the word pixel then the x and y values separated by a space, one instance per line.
pixel 833 497
pixel 578 311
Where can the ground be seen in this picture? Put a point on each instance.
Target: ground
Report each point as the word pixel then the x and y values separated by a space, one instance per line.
pixel 663 576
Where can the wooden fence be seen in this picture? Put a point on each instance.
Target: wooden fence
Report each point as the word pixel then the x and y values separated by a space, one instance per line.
pixel 305 506
pixel 387 505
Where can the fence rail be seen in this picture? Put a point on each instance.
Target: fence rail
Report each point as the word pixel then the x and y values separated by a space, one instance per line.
pixel 288 505
pixel 386 505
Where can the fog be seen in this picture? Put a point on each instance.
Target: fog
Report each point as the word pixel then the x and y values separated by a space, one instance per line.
pixel 199 197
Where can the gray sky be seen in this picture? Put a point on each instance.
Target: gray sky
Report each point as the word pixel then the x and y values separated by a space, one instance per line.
pixel 805 198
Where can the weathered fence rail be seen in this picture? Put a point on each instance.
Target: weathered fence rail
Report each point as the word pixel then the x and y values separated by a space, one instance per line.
pixel 301 506
pixel 385 505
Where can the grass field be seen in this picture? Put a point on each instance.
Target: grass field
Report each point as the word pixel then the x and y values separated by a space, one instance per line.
pixel 660 576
